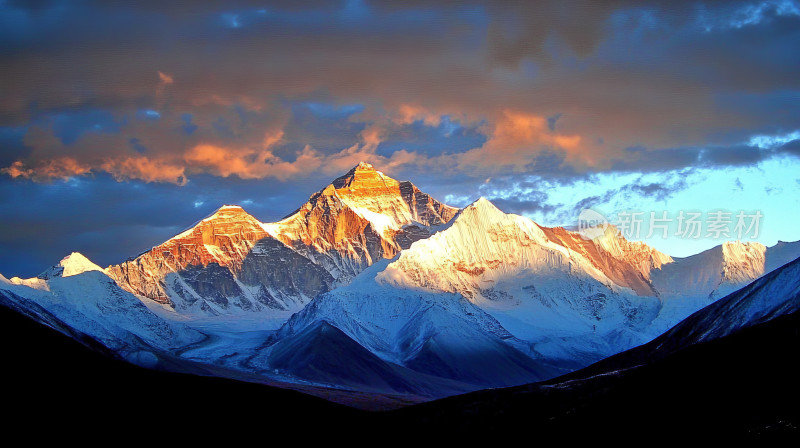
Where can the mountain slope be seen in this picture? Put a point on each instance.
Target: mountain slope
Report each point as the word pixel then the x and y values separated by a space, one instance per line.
pixel 230 262
pixel 546 293
pixel 87 302
pixel 61 387
pixel 323 354
pixel 360 218
pixel 771 296
pixel 438 335
pixel 726 373
pixel 739 388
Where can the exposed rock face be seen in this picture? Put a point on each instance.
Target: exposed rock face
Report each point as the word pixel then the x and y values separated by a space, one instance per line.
pixel 625 262
pixel 231 259
pixel 224 238
pixel 360 218
pixel 275 267
pixel 485 246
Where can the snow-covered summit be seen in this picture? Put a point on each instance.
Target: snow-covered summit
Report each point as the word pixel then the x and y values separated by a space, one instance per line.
pixel 73 264
pixel 360 218
pixel 231 261
pixel 713 273
pixel 484 248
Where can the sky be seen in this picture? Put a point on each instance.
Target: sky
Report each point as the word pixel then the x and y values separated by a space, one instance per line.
pixel 122 123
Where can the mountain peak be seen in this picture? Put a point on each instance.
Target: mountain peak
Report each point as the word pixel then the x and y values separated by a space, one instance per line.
pixel 363 177
pixel 229 209
pixel 73 264
pixel 483 203
pixel 230 212
pixel 364 166
pixel 483 209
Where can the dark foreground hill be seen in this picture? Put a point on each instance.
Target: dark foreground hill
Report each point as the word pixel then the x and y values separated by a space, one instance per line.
pixel 58 389
pixel 741 387
pixel 730 372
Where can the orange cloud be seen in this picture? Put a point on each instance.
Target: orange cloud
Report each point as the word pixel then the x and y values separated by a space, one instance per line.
pixel 60 168
pixel 516 139
pixel 165 78
pixel 250 163
pixel 408 114
pixel 146 169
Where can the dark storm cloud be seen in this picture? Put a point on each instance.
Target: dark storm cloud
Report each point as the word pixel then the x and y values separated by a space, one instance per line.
pixel 639 159
pixel 656 191
pixel 109 221
pixel 790 148
pixel 326 127
pixel 432 140
pixel 157 112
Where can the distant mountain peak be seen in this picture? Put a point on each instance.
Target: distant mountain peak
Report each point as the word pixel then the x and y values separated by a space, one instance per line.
pixel 363 177
pixel 230 207
pixel 484 204
pixel 363 166
pixel 359 218
pixel 73 264
pixel 229 210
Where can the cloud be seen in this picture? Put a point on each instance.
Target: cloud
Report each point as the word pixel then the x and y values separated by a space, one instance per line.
pixel 499 76
pixel 144 169
pixel 103 104
pixel 47 170
pixel 517 139
pixel 250 163
pixel 164 80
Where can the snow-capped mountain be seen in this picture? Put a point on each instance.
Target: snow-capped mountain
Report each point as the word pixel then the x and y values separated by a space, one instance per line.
pixel 490 279
pixel 358 219
pixel 78 299
pixel 562 300
pixel 773 295
pixel 373 285
pixel 689 284
pixel 230 262
pixel 713 273
pixel 548 287
pixel 766 299
pixel 226 263
pixel 438 334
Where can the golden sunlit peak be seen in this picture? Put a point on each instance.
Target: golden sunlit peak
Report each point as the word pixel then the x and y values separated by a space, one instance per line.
pixel 364 166
pixel 228 210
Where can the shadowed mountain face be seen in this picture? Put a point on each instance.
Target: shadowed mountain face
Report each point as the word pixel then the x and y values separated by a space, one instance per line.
pixel 230 261
pixel 740 387
pixel 62 387
pixel 324 354
pixel 728 372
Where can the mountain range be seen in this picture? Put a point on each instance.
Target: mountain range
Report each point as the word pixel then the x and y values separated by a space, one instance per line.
pixel 726 374
pixel 374 288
